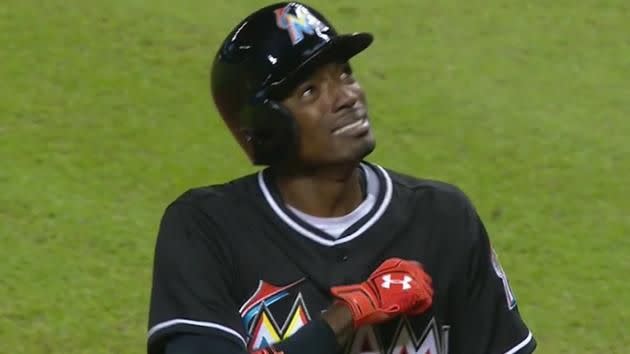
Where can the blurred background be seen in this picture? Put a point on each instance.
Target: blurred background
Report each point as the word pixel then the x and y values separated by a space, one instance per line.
pixel 106 117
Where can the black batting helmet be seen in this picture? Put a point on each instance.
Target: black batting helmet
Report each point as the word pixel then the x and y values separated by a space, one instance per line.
pixel 260 61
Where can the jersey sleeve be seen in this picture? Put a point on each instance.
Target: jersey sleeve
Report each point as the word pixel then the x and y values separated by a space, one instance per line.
pixel 192 280
pixel 486 316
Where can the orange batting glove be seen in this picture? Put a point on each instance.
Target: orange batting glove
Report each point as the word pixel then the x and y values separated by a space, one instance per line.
pixel 396 287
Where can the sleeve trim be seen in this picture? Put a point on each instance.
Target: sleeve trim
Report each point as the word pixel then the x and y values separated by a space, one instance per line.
pixel 520 345
pixel 178 321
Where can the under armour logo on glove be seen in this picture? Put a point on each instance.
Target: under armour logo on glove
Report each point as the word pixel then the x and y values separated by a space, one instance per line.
pixel 397 287
pixel 388 281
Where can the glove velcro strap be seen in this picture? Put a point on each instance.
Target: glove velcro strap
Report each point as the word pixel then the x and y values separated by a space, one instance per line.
pixel 359 298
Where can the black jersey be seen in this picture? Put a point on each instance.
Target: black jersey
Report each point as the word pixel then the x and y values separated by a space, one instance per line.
pixel 233 260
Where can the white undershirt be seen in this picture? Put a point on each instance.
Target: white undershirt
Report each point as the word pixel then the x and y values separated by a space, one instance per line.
pixel 335 226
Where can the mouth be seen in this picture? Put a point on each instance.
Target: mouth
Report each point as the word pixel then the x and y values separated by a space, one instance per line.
pixel 353 126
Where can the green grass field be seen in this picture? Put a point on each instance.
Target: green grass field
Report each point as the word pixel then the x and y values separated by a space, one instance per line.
pixel 105 117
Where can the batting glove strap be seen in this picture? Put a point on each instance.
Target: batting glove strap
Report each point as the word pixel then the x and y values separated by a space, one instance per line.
pixel 362 301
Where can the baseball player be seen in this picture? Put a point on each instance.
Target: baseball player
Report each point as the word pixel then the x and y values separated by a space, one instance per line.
pixel 320 252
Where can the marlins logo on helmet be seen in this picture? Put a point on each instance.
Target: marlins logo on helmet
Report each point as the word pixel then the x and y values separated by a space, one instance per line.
pixel 300 23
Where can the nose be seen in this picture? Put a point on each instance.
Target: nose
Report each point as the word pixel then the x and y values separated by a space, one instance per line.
pixel 346 96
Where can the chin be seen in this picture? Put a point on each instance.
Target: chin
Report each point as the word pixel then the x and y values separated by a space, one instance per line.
pixel 367 148
pixel 362 149
pixel 346 152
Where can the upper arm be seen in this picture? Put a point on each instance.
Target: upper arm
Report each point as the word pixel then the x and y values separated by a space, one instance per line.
pixel 486 318
pixel 192 281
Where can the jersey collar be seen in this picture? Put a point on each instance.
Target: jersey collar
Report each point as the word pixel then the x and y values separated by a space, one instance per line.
pixel 272 197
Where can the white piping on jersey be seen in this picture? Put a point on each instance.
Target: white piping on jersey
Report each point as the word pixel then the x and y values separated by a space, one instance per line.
pixel 297 227
pixel 520 345
pixel 177 321
pixel 335 226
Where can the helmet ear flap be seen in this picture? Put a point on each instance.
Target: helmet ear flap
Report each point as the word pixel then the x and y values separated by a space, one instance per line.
pixel 273 133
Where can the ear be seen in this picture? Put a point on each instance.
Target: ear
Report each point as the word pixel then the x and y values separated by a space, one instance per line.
pixel 247 134
pixel 257 137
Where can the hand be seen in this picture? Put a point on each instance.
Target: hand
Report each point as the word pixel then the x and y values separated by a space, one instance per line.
pixel 396 287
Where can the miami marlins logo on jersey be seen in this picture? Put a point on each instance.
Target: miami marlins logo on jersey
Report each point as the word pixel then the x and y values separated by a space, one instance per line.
pixel 300 23
pixel 262 327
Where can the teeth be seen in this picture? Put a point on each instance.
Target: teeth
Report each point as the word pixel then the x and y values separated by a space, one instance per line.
pixel 349 126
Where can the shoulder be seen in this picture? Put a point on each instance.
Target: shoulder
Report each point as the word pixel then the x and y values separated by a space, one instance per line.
pixel 217 197
pixel 446 210
pixel 211 204
pixel 442 205
pixel 201 220
pixel 440 196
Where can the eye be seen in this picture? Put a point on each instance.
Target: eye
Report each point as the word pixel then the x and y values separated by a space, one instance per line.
pixel 307 92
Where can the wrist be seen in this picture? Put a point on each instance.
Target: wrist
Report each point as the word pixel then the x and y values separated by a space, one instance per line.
pixel 339 318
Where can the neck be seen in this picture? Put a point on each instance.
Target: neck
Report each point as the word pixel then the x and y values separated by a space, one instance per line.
pixel 324 192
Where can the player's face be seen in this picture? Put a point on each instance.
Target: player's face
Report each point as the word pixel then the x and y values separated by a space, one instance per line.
pixel 331 113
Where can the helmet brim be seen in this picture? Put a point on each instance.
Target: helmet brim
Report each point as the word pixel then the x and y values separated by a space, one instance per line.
pixel 339 48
